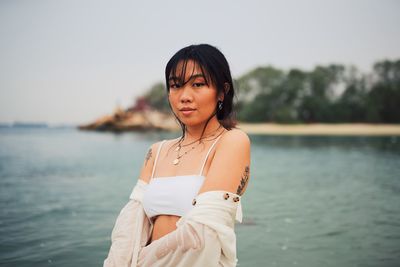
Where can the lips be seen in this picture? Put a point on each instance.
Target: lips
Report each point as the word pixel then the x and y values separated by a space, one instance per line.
pixel 187 111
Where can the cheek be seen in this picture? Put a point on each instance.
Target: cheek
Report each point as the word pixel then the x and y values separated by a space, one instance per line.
pixel 209 102
pixel 172 101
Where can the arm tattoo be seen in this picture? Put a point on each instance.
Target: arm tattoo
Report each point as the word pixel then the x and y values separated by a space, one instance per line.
pixel 243 181
pixel 148 156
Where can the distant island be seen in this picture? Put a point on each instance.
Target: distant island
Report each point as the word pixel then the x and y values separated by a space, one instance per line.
pixel 328 100
pixel 24 125
pixel 142 117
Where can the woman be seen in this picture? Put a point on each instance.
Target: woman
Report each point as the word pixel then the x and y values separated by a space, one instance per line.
pixel 182 210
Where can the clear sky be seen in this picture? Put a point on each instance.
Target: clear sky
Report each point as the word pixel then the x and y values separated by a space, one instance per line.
pixel 71 61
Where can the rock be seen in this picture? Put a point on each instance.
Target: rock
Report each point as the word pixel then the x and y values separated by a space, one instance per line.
pixel 133 120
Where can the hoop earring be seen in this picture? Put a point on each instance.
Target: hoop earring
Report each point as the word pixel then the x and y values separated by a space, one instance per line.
pixel 219 104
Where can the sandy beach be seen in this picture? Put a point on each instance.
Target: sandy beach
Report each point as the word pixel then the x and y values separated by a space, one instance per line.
pixel 349 129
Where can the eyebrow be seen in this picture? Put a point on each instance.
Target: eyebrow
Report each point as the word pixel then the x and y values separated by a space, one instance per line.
pixel 199 75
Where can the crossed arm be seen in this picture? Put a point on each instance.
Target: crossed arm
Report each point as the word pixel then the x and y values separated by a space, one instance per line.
pixel 229 171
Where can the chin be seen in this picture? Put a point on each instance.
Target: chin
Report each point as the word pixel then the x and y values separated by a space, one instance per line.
pixel 190 121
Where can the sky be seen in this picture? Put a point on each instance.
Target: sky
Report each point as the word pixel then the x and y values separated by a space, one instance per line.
pixel 72 61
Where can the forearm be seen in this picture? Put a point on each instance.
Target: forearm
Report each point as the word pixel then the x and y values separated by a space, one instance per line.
pixel 191 244
pixel 204 237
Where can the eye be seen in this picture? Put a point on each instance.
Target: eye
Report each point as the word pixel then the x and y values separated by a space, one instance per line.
pixel 199 84
pixel 174 86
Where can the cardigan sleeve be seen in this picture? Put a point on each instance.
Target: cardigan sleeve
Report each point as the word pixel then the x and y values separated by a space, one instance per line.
pixel 204 236
pixel 130 232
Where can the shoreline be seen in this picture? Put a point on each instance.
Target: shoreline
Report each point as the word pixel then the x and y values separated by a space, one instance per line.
pixel 339 129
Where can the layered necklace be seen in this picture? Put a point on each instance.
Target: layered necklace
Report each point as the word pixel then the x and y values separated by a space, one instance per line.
pixel 179 147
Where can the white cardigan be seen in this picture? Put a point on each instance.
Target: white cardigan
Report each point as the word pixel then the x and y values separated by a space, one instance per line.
pixel 204 236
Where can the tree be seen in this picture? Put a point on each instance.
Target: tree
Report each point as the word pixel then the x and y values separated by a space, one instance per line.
pixel 157 97
pixel 384 97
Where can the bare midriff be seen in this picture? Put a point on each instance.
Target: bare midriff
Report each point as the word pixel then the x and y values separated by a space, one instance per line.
pixel 162 225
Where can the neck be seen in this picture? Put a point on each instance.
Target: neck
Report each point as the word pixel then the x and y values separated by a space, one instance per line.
pixel 193 132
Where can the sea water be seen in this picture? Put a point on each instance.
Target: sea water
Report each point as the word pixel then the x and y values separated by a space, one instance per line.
pixel 311 201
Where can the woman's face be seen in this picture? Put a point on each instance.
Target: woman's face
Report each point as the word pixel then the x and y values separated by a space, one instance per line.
pixel 195 101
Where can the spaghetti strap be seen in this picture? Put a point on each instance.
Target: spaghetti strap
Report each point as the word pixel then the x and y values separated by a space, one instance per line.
pixel 155 160
pixel 208 153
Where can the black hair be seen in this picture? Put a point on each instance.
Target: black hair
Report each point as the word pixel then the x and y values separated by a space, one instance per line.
pixel 216 71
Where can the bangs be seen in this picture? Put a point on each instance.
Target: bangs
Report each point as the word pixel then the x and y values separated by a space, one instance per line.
pixel 177 69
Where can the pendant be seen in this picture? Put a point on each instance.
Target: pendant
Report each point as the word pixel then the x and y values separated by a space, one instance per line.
pixel 175 162
pixel 177 148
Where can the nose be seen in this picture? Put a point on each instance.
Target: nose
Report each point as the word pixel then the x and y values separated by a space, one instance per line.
pixel 186 95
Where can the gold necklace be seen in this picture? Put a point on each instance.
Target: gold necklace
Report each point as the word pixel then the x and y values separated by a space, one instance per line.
pixel 178 148
pixel 205 138
pixel 176 161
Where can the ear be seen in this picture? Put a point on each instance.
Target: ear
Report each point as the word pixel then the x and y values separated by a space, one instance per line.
pixel 227 87
pixel 226 90
pixel 221 96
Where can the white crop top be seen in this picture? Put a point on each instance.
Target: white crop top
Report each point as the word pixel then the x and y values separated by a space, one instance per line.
pixel 172 195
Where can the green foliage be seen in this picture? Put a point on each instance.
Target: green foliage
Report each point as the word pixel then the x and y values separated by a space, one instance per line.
pixel 332 93
pixel 300 96
pixel 157 97
pixel 384 98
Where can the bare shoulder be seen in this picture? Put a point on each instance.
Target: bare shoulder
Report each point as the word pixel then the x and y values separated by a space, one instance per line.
pixel 238 134
pixel 148 163
pixel 230 166
pixel 236 139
